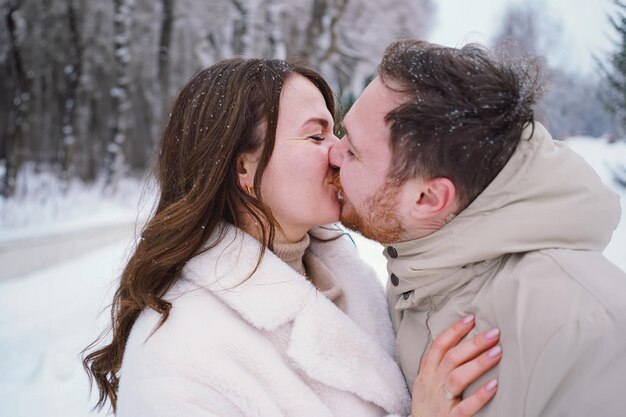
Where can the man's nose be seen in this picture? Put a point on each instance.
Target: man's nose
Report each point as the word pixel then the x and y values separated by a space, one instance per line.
pixel 337 153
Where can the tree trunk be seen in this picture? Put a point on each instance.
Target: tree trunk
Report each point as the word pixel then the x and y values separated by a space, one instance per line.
pixel 73 71
pixel 18 87
pixel 121 103
pixel 165 40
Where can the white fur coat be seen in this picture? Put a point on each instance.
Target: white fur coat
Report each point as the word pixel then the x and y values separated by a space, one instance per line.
pixel 270 345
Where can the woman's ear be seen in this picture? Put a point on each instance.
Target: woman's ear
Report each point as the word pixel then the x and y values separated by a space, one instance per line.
pixel 246 168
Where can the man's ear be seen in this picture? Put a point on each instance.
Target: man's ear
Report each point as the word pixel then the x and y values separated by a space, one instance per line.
pixel 246 169
pixel 437 197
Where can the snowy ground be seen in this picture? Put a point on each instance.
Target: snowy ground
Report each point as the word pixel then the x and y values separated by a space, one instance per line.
pixel 48 316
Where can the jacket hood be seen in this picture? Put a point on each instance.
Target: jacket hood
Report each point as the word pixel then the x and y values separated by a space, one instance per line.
pixel 545 197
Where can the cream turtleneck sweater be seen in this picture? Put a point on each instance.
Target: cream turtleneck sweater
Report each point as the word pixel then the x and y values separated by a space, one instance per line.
pixel 303 261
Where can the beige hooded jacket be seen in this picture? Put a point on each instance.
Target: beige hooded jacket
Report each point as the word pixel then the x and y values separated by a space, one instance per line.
pixel 525 257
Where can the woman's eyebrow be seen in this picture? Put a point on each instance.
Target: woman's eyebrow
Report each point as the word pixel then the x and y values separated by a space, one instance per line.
pixel 317 121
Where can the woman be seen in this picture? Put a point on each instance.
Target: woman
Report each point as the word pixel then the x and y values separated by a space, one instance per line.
pixel 234 303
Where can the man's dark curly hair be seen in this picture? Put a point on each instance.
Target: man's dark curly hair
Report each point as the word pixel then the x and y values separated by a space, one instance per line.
pixel 465 114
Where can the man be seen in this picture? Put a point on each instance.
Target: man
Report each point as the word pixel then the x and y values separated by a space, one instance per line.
pixel 483 213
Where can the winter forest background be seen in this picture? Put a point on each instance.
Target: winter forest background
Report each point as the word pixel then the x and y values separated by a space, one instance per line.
pixel 86 85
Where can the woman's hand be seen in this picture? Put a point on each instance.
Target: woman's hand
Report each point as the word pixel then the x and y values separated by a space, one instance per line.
pixel 449 367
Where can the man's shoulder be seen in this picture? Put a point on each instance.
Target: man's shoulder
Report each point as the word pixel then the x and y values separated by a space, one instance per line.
pixel 534 295
pixel 555 308
pixel 569 276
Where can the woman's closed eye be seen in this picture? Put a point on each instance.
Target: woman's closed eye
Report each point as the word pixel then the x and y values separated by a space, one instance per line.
pixel 317 138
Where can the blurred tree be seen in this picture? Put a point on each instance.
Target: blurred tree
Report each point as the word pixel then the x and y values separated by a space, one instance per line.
pixel 526 31
pixel 614 74
pixel 570 105
pixel 15 87
pixel 519 34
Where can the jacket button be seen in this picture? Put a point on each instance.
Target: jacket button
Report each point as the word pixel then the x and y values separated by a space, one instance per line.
pixel 392 252
pixel 406 295
pixel 394 280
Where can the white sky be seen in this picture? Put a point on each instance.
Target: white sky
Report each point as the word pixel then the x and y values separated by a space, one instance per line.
pixel 585 28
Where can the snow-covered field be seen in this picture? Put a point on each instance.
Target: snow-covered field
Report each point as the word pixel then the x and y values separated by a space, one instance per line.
pixel 46 318
pixel 49 315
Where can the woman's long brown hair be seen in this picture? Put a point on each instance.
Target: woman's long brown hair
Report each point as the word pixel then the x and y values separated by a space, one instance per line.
pixel 226 110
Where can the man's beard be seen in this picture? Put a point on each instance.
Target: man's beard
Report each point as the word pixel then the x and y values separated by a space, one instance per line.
pixel 378 218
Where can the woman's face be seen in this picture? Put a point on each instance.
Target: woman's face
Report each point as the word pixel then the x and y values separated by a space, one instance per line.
pixel 297 184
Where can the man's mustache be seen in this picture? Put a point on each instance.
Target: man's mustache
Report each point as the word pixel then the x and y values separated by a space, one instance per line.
pixel 337 180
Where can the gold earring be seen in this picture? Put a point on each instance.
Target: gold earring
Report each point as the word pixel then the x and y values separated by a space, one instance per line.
pixel 249 190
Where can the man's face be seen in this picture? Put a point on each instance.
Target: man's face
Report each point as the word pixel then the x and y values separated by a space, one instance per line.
pixel 370 199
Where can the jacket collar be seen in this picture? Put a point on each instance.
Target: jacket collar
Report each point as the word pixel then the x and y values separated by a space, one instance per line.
pixel 267 298
pixel 324 342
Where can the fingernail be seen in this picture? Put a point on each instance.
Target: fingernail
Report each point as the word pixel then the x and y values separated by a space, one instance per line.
pixel 492 333
pixel 491 385
pixel 468 319
pixel 494 351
